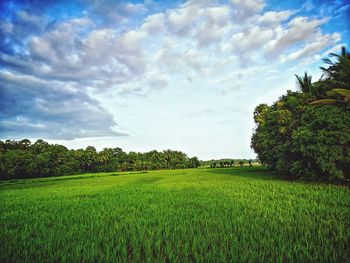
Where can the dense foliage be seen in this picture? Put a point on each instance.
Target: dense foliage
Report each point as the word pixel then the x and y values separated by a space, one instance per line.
pixel 227 162
pixel 22 159
pixel 306 134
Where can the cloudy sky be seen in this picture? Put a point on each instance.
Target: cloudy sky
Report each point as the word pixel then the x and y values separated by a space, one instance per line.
pixel 150 74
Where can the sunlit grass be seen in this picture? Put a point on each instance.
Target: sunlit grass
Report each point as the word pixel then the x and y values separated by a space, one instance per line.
pixel 202 215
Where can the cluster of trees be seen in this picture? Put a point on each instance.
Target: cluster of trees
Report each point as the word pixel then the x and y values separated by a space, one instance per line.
pixel 222 163
pixel 306 134
pixel 22 159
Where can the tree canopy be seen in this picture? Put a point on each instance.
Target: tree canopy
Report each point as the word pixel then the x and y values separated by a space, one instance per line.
pixel 22 159
pixel 306 134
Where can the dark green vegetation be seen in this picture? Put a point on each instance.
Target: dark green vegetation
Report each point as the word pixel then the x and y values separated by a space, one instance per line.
pixel 201 215
pixel 21 159
pixel 306 134
pixel 221 163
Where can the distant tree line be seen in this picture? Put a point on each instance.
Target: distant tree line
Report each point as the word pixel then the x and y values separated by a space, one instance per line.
pixel 306 134
pixel 222 163
pixel 22 159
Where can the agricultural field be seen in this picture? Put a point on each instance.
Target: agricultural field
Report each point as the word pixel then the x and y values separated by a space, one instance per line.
pixel 191 215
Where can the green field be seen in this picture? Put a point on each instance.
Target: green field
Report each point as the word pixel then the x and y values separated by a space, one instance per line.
pixel 201 215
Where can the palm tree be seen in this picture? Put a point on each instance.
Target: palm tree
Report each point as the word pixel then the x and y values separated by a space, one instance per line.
pixel 337 82
pixel 338 71
pixel 304 83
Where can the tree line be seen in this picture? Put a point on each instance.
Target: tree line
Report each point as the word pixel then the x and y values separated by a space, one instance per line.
pixel 23 159
pixel 222 163
pixel 306 134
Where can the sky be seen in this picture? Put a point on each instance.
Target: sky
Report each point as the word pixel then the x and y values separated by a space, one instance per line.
pixel 144 75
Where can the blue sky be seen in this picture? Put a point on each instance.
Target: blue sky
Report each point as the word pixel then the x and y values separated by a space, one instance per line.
pixel 143 75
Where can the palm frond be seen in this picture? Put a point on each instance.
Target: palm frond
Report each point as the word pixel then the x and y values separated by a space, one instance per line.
pixel 343 92
pixel 324 102
pixel 328 61
pixel 331 93
pixel 334 55
pixel 300 82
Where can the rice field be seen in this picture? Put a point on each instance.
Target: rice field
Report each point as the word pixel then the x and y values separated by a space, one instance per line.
pixel 193 215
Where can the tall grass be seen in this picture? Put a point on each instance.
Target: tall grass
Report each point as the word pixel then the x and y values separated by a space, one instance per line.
pixel 195 215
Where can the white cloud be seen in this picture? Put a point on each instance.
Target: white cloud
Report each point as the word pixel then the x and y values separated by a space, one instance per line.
pixel 35 109
pixel 42 49
pixel 218 15
pixel 252 38
pixel 181 21
pixel 213 25
pixel 300 29
pixel 113 12
pixel 154 23
pixel 169 62
pixel 157 80
pixel 33 20
pixel 246 8
pixel 272 18
pixel 315 47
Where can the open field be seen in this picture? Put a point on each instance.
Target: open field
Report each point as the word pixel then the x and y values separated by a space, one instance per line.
pixel 202 215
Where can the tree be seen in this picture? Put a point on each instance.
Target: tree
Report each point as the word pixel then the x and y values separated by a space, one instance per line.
pixel 90 159
pixel 335 88
pixel 306 135
pixel 250 163
pixel 107 160
pixel 194 162
pixel 21 159
pixel 24 144
pixel 39 146
pixel 304 83
pixel 338 73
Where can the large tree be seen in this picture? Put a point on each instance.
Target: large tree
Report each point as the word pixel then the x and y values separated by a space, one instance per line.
pixel 307 133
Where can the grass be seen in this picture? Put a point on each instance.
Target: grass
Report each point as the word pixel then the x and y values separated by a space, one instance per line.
pixel 201 215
